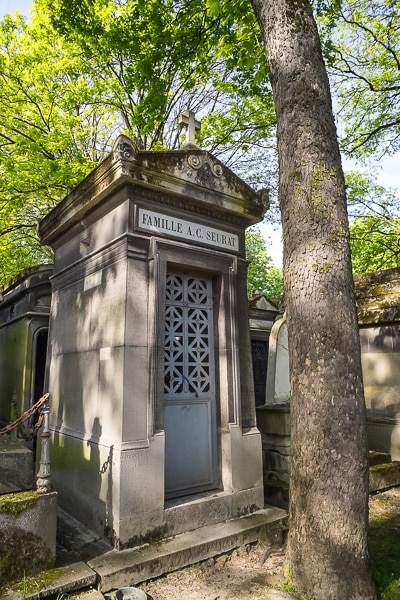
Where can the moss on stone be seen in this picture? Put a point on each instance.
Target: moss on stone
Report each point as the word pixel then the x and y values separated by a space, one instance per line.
pixel 17 503
pixel 34 584
pixel 22 553
pixel 392 466
pixel 378 458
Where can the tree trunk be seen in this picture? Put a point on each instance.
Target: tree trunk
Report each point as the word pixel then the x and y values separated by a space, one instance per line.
pixel 328 516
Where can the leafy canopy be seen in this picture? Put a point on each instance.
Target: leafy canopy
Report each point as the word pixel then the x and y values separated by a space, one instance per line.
pixel 362 41
pixel 46 144
pixel 82 72
pixel 374 224
pixel 262 274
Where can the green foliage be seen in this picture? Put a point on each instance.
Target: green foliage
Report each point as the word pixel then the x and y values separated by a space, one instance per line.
pixel 161 57
pixel 374 224
pixel 374 244
pixel 84 71
pixel 366 195
pixel 48 142
pixel 364 53
pixel 262 273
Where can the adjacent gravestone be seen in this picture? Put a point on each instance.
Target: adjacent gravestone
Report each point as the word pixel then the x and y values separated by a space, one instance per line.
pixel 24 319
pixel 152 410
pixel 378 303
pixel 262 314
pixel 28 523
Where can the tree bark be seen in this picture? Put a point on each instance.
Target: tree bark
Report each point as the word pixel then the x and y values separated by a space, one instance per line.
pixel 328 515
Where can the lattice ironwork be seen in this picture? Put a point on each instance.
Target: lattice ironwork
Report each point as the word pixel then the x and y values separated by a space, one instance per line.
pixel 188 336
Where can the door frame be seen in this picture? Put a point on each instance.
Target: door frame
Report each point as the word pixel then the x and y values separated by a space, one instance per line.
pixel 224 269
pixel 185 396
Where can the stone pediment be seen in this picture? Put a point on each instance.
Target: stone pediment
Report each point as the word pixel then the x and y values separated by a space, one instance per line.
pixel 191 174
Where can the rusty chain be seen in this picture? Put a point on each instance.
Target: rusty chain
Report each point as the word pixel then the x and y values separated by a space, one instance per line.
pixel 25 415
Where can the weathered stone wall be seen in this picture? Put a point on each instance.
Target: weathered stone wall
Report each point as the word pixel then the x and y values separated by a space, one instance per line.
pixel 273 420
pixel 16 466
pixel 136 219
pixel 378 304
pixel 27 534
pixel 24 313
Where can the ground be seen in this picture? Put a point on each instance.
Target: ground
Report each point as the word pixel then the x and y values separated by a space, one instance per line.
pixel 240 575
pixel 247 573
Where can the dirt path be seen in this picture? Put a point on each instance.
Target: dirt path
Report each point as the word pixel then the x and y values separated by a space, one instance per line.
pixel 241 575
pixel 246 573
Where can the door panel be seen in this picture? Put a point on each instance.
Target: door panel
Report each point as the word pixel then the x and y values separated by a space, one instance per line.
pixel 189 401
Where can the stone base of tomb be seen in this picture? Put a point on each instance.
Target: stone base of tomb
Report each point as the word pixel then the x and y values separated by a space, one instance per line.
pixel 28 522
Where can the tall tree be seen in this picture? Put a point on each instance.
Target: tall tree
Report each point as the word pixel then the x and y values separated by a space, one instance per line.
pixel 327 546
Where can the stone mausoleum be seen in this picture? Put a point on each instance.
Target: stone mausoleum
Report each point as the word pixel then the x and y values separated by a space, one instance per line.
pixel 152 407
pixel 24 322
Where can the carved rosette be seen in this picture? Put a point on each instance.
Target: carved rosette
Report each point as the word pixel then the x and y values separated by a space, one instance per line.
pixel 205 171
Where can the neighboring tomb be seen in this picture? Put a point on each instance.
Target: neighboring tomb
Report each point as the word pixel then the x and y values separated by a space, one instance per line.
pixel 273 418
pixel 152 407
pixel 24 318
pixel 16 466
pixel 378 304
pixel 262 313
pixel 28 523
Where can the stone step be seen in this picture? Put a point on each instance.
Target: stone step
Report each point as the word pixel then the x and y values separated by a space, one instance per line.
pixel 130 567
pixel 378 458
pixel 114 570
pixel 384 475
pixel 60 581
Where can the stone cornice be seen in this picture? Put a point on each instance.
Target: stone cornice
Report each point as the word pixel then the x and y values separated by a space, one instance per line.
pixel 189 174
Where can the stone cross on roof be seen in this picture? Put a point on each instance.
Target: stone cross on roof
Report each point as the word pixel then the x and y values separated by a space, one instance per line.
pixel 188 120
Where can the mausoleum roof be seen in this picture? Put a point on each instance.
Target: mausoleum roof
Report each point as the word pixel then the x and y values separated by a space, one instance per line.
pixel 190 173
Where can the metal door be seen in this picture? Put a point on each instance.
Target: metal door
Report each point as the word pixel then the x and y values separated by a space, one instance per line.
pixel 189 400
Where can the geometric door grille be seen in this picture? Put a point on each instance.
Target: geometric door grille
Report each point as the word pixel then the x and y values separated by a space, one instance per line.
pixel 188 337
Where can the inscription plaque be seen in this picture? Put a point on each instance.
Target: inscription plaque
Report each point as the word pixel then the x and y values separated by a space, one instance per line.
pixel 187 230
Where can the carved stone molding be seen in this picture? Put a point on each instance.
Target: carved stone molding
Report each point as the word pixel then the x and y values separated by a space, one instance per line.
pixel 124 148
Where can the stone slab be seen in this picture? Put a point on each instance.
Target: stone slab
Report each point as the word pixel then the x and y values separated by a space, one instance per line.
pixel 384 476
pixel 28 522
pixel 378 458
pixel 130 567
pixel 72 577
